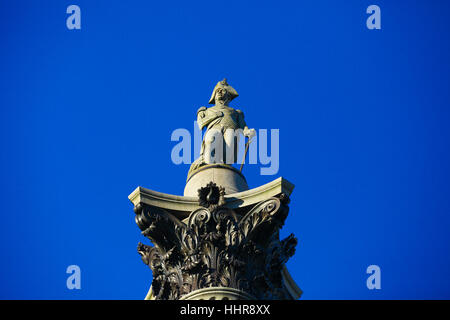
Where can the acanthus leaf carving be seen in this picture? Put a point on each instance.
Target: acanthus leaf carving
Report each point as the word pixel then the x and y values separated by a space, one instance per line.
pixel 217 247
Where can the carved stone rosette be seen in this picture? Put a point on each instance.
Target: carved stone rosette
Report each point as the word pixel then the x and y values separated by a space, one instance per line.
pixel 217 246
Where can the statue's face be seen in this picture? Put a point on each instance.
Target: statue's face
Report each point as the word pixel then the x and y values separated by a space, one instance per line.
pixel 222 95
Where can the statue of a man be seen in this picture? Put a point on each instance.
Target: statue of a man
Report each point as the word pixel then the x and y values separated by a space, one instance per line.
pixel 223 128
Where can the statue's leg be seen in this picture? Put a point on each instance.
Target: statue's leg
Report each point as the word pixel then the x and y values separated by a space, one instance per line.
pixel 231 139
pixel 213 146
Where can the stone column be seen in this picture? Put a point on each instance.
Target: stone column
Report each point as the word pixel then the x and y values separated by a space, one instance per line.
pixel 222 244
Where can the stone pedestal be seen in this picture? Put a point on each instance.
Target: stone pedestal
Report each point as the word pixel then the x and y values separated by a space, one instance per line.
pixel 222 175
pixel 217 293
pixel 218 244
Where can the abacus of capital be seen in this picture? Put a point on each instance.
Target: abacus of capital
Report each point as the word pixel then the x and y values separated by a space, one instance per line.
pixel 220 240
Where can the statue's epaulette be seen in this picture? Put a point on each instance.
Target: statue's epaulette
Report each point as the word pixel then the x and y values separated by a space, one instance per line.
pixel 201 109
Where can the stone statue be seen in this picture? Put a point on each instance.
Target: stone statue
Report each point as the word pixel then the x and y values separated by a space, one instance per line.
pixel 224 125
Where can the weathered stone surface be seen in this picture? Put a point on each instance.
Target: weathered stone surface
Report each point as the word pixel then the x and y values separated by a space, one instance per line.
pixel 218 245
pixel 181 206
pixel 226 176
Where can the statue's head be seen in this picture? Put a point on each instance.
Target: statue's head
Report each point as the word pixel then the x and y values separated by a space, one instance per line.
pixel 223 92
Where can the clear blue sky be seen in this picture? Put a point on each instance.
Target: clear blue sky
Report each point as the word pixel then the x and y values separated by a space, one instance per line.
pixel 86 117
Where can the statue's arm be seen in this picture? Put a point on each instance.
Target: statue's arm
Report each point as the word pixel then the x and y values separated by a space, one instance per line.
pixel 247 132
pixel 207 115
pixel 201 114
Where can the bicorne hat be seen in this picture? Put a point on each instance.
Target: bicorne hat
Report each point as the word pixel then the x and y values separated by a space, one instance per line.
pixel 224 85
